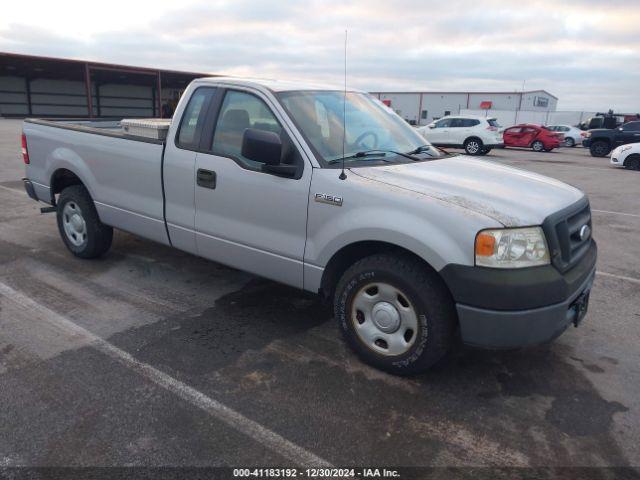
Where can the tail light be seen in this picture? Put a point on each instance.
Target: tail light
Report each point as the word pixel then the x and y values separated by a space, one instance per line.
pixel 25 152
pixel 583 134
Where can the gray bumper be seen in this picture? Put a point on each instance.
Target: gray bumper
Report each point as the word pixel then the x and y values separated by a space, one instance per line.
pixel 518 328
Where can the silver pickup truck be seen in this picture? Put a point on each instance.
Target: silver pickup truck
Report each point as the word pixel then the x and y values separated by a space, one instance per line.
pixel 416 246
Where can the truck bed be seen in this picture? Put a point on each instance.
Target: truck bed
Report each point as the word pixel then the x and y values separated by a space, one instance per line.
pixel 108 127
pixel 122 172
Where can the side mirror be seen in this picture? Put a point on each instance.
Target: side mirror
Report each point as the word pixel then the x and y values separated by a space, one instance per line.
pixel 262 146
pixel 432 126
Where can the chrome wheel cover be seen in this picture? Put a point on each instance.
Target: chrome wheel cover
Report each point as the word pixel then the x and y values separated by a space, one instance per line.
pixel 384 319
pixel 75 228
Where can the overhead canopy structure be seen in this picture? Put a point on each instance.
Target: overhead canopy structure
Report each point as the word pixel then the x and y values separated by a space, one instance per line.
pixel 55 87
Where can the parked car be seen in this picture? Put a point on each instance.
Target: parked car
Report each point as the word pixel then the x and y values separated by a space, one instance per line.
pixel 627 156
pixel 477 135
pixel 600 142
pixel 572 135
pixel 528 135
pixel 414 246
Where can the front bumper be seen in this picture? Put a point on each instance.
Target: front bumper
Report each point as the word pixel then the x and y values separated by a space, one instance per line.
pixel 517 308
pixel 519 328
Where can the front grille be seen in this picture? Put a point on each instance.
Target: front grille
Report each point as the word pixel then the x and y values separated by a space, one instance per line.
pixel 562 230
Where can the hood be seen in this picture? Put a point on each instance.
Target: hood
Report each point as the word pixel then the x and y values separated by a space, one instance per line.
pixel 509 195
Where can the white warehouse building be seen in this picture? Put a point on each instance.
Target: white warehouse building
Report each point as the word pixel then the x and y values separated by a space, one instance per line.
pixel 421 108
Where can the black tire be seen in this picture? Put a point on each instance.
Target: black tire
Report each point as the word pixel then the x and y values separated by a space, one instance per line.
pixel 537 146
pixel 599 148
pixel 485 150
pixel 632 162
pixel 473 146
pixel 423 289
pixel 96 237
pixel 569 142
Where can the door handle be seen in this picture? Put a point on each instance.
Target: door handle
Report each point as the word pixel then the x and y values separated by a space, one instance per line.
pixel 206 178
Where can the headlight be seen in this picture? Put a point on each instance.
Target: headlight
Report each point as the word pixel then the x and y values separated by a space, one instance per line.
pixel 512 248
pixel 587 134
pixel 625 148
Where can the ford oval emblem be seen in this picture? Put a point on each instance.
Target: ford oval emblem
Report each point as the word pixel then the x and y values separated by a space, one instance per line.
pixel 585 231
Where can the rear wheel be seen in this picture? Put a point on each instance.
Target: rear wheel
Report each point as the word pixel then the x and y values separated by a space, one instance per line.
pixel 473 146
pixel 537 146
pixel 395 313
pixel 599 148
pixel 80 228
pixel 632 162
pixel 569 142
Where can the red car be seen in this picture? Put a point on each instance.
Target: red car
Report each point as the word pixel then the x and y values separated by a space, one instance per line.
pixel 537 137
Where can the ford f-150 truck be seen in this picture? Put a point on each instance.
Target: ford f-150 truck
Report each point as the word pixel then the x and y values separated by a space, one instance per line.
pixel 415 246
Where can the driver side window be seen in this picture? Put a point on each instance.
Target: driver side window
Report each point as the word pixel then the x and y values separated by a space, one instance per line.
pixel 240 111
pixel 444 123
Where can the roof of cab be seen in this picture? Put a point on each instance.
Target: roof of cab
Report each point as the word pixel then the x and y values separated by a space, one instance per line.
pixel 272 84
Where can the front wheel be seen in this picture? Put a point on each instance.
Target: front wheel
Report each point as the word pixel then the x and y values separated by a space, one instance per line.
pixel 569 142
pixel 80 227
pixel 537 146
pixel 395 313
pixel 632 162
pixel 599 149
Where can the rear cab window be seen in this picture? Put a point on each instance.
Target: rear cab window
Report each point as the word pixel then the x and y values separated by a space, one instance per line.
pixel 188 136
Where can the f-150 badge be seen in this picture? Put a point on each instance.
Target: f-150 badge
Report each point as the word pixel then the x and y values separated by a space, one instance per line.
pixel 330 199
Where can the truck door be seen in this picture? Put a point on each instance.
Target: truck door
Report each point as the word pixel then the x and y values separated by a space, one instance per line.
pixel 246 218
pixel 179 169
pixel 628 133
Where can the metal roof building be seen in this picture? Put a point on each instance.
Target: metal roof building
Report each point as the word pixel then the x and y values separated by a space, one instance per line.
pixel 421 108
pixel 56 87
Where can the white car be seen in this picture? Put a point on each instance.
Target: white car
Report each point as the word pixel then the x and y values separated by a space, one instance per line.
pixel 572 135
pixel 627 156
pixel 477 135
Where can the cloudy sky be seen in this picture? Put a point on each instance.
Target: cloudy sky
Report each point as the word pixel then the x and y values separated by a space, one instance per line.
pixel 586 52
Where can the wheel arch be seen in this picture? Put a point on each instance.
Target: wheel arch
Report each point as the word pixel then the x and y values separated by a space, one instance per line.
pixel 472 137
pixel 351 253
pixel 62 178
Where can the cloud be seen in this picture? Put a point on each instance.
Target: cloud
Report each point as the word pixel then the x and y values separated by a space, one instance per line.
pixel 586 52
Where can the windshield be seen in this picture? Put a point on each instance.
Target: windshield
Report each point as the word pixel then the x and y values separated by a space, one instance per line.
pixel 371 126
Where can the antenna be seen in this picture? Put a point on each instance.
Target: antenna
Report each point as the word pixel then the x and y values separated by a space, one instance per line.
pixel 343 175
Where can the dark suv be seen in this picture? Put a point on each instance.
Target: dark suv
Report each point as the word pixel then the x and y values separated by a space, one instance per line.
pixel 601 141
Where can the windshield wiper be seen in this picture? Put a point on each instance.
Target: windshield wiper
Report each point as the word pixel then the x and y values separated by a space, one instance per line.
pixel 357 155
pixel 372 153
pixel 422 149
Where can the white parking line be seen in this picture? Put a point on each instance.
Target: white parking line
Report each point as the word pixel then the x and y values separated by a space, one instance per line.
pixel 617 213
pixel 619 277
pixel 12 190
pixel 235 420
